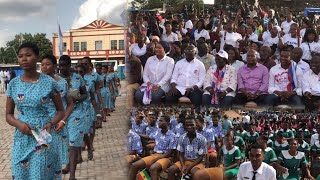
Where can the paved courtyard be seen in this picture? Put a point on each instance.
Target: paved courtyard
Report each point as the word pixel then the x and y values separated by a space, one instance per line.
pixel 110 147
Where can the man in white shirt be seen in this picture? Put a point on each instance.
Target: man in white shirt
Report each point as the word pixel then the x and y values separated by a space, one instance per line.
pixel 285 82
pixel 187 78
pixel 256 169
pixel 157 74
pixel 311 85
pixel 169 36
pixel 251 36
pixel 296 55
pixel 285 26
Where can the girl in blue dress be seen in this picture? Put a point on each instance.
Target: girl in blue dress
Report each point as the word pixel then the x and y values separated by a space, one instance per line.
pixel 103 90
pixel 111 77
pixel 76 121
pixel 93 81
pixel 30 93
pixel 60 135
pixel 109 90
pixel 90 110
pixel 102 93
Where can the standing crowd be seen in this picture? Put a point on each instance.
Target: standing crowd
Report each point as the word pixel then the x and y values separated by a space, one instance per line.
pixel 209 145
pixel 67 104
pixel 222 60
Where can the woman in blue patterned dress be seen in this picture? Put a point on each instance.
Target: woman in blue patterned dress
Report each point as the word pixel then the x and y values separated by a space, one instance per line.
pixel 92 79
pixel 114 90
pixel 60 135
pixel 109 90
pixel 102 93
pixel 30 93
pixel 78 92
pixel 90 110
pixel 103 90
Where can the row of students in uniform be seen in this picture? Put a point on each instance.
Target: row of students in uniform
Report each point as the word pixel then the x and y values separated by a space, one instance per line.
pixel 242 140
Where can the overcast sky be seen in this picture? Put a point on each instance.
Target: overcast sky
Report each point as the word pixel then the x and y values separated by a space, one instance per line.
pixel 33 16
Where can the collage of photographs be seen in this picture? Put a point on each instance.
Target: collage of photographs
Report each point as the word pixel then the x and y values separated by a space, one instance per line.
pixel 159 90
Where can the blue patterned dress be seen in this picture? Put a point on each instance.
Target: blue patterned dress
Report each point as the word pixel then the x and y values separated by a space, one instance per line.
pixel 90 115
pixel 60 139
pixel 30 161
pixel 107 94
pixel 76 120
pixel 110 78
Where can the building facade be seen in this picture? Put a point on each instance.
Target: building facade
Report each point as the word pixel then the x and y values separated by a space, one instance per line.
pixel 100 40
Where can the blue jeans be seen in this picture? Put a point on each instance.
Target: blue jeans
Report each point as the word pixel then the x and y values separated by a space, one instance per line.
pixel 155 99
pixel 225 102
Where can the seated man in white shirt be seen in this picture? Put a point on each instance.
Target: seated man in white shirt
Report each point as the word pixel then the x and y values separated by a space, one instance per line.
pixel 285 25
pixel 156 75
pixel 187 78
pixel 296 55
pixel 251 36
pixel 311 85
pixel 169 36
pixel 255 168
pixel 285 82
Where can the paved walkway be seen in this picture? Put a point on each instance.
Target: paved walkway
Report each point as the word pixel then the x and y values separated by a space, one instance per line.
pixel 110 147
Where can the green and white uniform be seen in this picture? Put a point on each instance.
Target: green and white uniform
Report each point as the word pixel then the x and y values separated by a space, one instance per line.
pixel 316 163
pixel 286 133
pixel 251 138
pixel 239 142
pixel 270 143
pixel 279 147
pixel 229 158
pixel 242 134
pixel 269 156
pixel 292 163
pixel 304 147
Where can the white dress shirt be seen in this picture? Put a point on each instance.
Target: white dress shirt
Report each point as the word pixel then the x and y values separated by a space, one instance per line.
pixel 203 33
pixel 188 24
pixel 305 67
pixel 159 71
pixel 278 79
pixel 229 79
pixel 187 74
pixel 172 37
pixel 265 172
pixel 137 51
pixel 287 39
pixel 311 83
pixel 314 139
pixel 253 37
pixel 237 64
pixel 230 39
pixel 285 25
pixel 314 47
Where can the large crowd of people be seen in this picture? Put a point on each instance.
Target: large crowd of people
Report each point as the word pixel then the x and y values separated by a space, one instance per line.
pixel 209 145
pixel 58 110
pixel 224 58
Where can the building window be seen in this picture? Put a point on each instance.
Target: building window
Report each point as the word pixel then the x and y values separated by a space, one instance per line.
pixel 64 47
pixel 83 46
pixel 98 45
pixel 76 46
pixel 114 45
pixel 121 44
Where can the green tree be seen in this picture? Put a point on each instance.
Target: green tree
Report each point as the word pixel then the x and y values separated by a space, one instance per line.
pixel 8 54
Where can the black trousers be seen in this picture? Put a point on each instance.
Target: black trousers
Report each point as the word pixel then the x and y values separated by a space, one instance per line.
pixel 242 99
pixel 309 103
pixel 195 97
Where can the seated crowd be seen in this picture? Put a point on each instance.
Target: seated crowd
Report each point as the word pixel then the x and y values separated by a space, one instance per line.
pixel 209 145
pixel 221 61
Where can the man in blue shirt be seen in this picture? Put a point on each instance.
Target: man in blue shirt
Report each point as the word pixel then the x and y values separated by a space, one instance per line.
pixel 160 160
pixel 192 147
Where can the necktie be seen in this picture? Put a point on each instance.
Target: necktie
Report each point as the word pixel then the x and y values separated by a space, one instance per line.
pixel 254 175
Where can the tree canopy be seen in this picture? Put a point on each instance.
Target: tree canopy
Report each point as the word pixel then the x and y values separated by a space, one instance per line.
pixel 8 54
